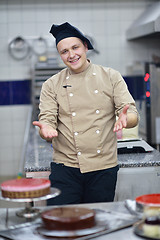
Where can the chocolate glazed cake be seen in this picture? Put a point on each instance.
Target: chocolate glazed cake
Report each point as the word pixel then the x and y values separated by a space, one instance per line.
pixel 68 218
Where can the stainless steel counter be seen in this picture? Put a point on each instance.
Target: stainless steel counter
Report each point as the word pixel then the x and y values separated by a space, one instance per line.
pixel 115 207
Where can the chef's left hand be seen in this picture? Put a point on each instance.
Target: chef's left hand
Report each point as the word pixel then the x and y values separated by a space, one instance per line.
pixel 122 120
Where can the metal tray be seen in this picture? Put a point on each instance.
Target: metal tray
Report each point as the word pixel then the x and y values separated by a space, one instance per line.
pixel 106 222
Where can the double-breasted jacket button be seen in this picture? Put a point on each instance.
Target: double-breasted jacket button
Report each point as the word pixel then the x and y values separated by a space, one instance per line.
pixel 94 73
pixel 79 153
pixel 73 114
pixel 96 91
pixel 98 151
pixel 97 131
pixel 76 133
pixel 67 77
pixel 97 111
pixel 71 94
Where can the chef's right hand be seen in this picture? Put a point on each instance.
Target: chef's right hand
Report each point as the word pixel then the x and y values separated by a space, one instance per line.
pixel 46 131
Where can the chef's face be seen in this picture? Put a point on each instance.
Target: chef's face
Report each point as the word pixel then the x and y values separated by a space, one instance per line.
pixel 73 53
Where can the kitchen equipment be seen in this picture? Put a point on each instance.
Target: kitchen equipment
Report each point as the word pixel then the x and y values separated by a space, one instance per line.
pixel 147 24
pixel 149 206
pixel 145 90
pixel 131 206
pixel 29 212
pixel 148 200
pixel 19 48
pixel 152 89
pixel 138 230
pixel 39 46
pixel 107 221
pixel 133 146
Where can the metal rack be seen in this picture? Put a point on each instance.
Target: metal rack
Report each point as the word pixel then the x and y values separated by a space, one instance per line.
pixel 40 73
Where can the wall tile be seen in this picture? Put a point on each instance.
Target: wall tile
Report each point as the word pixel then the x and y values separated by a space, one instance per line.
pixel 6 140
pixel 3 15
pixel 12 127
pixel 19 112
pixel 14 12
pixel 41 14
pixel 6 127
pixel 6 154
pixel 15 92
pixel 15 29
pixel 9 168
pixel 4 30
pixel 28 13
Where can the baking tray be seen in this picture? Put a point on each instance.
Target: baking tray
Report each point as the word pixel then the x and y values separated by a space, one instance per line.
pixel 106 222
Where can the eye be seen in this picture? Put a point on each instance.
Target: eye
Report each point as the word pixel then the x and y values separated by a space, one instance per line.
pixel 64 52
pixel 75 47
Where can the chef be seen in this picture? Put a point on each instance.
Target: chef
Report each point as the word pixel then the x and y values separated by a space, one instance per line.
pixel 78 109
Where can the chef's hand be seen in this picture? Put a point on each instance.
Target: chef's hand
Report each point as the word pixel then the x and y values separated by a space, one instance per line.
pixel 46 131
pixel 122 120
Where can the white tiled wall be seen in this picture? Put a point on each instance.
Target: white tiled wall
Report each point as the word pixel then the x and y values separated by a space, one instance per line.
pixel 12 127
pixel 105 21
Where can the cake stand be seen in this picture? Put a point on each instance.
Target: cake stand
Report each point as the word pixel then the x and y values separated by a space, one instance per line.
pixel 30 212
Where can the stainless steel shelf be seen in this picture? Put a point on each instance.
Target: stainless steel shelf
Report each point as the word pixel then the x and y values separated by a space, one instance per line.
pixel 40 73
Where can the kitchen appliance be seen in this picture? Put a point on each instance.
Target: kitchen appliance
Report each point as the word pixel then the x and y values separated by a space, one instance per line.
pixel 147 88
pixel 151 132
pixel 133 146
pixel 147 24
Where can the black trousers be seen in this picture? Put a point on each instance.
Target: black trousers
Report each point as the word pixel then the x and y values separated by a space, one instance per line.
pixel 77 187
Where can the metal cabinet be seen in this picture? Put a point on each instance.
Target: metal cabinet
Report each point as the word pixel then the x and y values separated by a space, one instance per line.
pixel 136 181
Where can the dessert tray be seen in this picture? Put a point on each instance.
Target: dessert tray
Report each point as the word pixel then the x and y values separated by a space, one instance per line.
pixel 30 211
pixel 138 230
pixel 106 222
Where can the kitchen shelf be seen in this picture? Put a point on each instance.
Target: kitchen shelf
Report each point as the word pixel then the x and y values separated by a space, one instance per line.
pixel 40 73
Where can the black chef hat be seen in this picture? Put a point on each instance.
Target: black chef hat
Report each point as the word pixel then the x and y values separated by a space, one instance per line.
pixel 66 30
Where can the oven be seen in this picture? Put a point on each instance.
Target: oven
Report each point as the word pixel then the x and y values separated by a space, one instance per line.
pixel 145 89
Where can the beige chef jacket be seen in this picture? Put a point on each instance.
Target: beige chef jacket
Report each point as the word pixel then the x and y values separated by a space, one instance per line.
pixel 82 108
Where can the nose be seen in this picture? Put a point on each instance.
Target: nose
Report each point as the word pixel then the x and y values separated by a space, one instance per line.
pixel 71 53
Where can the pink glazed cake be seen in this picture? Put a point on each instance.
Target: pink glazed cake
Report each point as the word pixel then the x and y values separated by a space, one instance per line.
pixel 25 188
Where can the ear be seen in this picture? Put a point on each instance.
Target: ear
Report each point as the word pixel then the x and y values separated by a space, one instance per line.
pixel 86 46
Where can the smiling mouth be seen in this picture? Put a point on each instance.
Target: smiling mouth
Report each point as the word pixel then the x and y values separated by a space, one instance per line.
pixel 74 61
